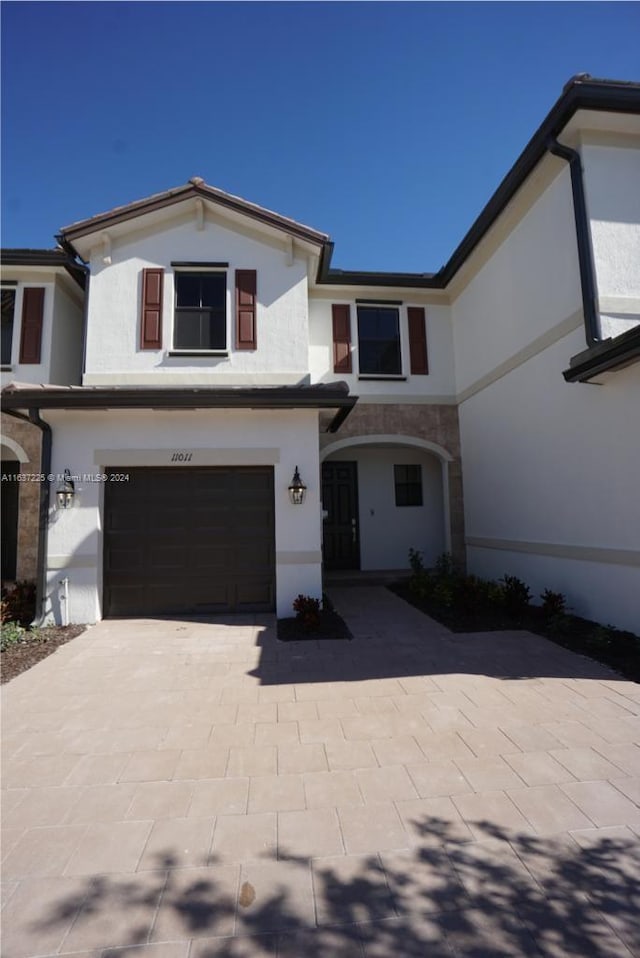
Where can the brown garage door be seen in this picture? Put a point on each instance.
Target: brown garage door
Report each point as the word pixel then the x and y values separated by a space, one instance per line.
pixel 189 540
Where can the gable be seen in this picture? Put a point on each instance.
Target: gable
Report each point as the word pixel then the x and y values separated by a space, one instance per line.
pixel 197 200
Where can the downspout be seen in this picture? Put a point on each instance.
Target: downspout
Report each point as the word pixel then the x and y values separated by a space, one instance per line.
pixel 43 518
pixel 583 236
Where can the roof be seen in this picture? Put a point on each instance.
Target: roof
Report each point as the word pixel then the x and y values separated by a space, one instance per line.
pixel 582 92
pixel 18 396
pixel 197 188
pixel 45 257
pixel 606 356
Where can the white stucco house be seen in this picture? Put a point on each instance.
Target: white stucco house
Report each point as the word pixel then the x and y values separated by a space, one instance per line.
pixel 491 409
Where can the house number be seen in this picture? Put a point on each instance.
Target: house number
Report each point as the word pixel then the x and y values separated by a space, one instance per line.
pixel 181 457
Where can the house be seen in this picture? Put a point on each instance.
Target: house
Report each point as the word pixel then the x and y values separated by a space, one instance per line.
pixel 224 355
pixel 42 319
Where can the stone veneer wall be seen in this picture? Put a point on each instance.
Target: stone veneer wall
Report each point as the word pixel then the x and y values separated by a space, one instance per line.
pixel 437 423
pixel 29 438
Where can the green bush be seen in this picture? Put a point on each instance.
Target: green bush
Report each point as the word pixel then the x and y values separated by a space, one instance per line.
pixel 553 603
pixel 446 567
pixel 516 595
pixel 11 634
pixel 416 561
pixel 476 594
pixel 444 592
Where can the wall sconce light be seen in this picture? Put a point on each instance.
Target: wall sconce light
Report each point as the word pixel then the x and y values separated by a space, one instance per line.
pixel 297 489
pixel 66 491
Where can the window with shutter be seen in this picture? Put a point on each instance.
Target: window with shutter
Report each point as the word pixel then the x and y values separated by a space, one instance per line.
pixel 200 319
pixel 379 341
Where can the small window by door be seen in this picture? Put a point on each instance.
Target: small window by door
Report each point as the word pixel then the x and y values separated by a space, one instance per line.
pixel 408 483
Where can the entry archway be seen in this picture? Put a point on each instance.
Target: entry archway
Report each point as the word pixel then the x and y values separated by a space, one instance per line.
pixel 388 524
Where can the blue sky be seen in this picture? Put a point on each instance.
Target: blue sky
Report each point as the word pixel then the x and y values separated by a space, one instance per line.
pixel 387 125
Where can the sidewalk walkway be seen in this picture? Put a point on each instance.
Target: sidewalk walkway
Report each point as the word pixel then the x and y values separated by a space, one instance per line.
pixel 190 789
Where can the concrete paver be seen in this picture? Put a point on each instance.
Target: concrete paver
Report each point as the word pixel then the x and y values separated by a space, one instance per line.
pixel 189 789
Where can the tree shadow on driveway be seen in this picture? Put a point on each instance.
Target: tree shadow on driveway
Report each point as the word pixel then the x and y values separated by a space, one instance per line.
pixel 507 894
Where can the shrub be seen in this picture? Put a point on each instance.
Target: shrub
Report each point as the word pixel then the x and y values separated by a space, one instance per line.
pixel 421 585
pixel 446 567
pixel 307 610
pixel 553 603
pixel 11 634
pixel 19 603
pixel 474 593
pixel 516 595
pixel 416 563
pixel 444 592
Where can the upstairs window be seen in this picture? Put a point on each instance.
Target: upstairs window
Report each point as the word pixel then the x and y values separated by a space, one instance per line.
pixel 408 481
pixel 201 311
pixel 379 341
pixel 8 309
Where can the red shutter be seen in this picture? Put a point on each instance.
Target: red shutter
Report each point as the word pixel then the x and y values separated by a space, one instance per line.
pixel 246 289
pixel 31 332
pixel 341 315
pixel 417 340
pixel 151 325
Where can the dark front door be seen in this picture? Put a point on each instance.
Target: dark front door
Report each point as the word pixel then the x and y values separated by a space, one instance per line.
pixel 9 494
pixel 341 545
pixel 189 540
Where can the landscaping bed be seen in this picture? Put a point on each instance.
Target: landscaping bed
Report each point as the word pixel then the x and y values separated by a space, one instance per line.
pixel 32 647
pixel 469 604
pixel 313 621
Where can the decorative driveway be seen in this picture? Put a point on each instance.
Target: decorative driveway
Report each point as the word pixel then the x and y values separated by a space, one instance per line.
pixel 183 789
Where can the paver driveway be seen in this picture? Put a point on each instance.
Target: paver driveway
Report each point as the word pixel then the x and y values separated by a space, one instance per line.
pixel 176 787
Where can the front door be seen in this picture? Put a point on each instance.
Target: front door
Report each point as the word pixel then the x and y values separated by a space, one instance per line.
pixel 340 544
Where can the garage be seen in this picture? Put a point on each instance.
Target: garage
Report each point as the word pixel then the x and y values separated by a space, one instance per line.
pixel 188 540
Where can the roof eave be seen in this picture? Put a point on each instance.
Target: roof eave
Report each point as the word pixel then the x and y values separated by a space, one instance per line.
pixel 608 356
pixel 178 195
pixel 580 93
pixel 52 258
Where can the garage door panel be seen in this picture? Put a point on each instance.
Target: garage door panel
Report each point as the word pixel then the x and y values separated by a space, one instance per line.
pixel 180 540
pixel 173 558
pixel 253 591
pixel 124 560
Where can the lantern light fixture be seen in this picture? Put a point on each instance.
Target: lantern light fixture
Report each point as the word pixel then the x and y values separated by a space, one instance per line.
pixel 66 491
pixel 297 489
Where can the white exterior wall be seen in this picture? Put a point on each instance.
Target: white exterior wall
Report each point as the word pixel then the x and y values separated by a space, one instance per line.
pixel 283 439
pixel 113 345
pixel 612 186
pixel 387 531
pixel 68 338
pixel 438 384
pixel 550 469
pixel 527 287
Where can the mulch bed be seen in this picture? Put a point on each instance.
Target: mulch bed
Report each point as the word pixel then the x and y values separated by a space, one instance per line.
pixel 332 626
pixel 23 655
pixel 620 651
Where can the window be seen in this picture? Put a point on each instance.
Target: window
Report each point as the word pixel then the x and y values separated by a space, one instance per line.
pixel 379 341
pixel 201 311
pixel 408 480
pixel 8 307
